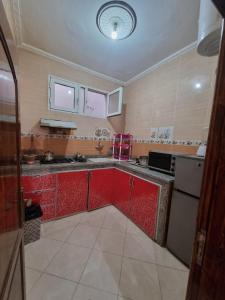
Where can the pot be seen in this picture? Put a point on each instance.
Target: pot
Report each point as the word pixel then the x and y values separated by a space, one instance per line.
pixel 143 161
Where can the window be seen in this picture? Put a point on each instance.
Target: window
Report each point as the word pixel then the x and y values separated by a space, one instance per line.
pixel 72 97
pixel 63 95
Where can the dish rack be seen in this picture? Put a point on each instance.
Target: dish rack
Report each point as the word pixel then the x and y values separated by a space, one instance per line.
pixel 122 146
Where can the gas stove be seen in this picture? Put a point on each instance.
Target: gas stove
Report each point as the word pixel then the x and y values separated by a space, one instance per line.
pixel 62 160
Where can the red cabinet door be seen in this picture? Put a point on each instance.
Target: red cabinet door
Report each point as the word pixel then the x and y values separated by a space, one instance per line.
pixel 122 191
pixel 41 189
pixel 72 191
pixel 144 203
pixel 100 188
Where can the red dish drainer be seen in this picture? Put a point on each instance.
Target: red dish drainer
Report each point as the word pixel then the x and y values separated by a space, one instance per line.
pixel 122 146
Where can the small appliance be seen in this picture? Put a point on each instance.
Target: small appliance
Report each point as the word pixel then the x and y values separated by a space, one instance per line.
pixel 162 162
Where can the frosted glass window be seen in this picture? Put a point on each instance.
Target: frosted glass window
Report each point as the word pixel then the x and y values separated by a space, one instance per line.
pixel 114 103
pixel 95 105
pixel 64 97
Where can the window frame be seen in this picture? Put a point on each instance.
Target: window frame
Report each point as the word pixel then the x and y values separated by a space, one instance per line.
pixel 119 112
pixel 79 108
pixel 52 80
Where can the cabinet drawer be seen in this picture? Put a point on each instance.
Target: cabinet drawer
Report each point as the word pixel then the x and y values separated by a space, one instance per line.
pixel 45 197
pixel 38 182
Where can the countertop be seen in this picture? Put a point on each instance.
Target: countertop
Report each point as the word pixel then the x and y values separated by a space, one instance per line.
pixel 38 168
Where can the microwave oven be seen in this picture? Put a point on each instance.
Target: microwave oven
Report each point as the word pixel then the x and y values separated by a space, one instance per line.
pixel 162 162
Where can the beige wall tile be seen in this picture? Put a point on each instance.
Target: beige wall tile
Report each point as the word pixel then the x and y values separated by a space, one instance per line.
pixel 168 97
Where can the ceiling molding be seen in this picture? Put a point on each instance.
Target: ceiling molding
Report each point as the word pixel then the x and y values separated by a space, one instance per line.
pixel 162 62
pixel 16 13
pixel 69 63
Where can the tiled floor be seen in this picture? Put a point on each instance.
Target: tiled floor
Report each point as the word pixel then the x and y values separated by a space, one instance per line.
pixel 101 255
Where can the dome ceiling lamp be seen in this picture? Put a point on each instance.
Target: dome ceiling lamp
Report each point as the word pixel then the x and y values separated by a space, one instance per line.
pixel 116 20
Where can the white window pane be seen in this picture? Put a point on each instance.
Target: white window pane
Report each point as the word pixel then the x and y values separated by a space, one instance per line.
pixel 95 104
pixel 64 96
pixel 114 102
pixel 81 99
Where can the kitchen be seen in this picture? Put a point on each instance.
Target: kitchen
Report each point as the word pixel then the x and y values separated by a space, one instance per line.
pixel 112 150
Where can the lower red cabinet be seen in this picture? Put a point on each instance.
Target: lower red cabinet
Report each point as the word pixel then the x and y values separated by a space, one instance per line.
pixel 144 202
pixel 122 191
pixel 72 191
pixel 41 189
pixel 63 194
pixel 100 188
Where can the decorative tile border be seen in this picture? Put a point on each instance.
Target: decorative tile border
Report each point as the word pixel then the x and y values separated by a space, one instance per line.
pixel 168 142
pixel 67 137
pixel 94 138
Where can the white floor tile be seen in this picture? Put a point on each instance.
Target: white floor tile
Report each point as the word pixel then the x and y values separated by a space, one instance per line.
pixel 60 235
pixel 165 258
pixel 52 227
pixel 32 277
pixel 103 271
pixel 139 280
pixel 173 283
pixel 132 228
pixel 88 293
pixel 40 253
pixel 64 257
pixel 84 235
pixel 110 209
pixel 69 262
pixel 52 288
pixel 110 241
pixel 93 218
pixel 115 222
pixel 139 247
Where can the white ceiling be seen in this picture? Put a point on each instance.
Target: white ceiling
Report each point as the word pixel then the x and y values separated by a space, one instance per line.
pixel 67 29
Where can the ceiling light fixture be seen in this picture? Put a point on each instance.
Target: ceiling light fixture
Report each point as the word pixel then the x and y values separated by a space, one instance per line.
pixel 198 85
pixel 116 20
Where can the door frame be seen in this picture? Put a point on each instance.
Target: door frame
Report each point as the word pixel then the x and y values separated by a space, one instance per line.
pixel 212 192
pixel 19 245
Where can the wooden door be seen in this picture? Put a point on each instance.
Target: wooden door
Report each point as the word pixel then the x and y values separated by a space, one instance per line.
pixel 122 191
pixel 207 276
pixel 100 188
pixel 144 202
pixel 11 225
pixel 72 191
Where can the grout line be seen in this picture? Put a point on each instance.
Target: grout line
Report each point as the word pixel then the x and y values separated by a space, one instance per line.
pixel 97 289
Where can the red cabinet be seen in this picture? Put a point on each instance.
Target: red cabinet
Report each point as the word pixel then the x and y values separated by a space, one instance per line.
pixel 100 188
pixel 63 194
pixel 144 202
pixel 122 191
pixel 42 189
pixel 72 191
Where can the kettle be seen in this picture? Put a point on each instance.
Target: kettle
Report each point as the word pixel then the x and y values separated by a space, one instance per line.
pixel 48 156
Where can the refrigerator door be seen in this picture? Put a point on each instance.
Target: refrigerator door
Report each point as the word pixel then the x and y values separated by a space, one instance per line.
pixel 182 224
pixel 188 175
